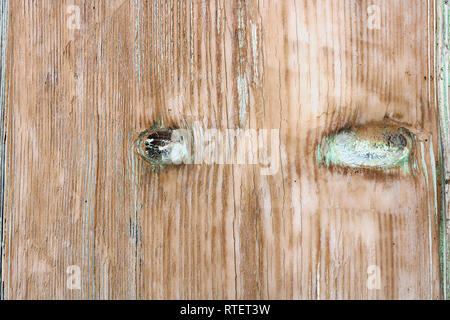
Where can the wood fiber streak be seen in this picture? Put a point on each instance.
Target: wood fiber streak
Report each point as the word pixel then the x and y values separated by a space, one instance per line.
pixel 4 22
pixel 77 194
pixel 443 102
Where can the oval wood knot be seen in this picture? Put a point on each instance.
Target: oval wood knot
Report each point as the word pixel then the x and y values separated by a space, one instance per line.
pixel 161 146
pixel 374 146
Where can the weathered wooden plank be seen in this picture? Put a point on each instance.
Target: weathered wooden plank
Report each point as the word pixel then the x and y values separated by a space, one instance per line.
pixel 4 22
pixel 442 71
pixel 77 194
pixel 69 203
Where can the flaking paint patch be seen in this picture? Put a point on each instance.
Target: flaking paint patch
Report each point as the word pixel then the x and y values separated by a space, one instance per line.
pixel 255 53
pixel 241 79
pixel 218 16
pixel 241 24
pixel 243 98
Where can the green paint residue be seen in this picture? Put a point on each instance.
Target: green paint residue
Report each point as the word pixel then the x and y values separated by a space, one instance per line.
pixel 442 33
pixel 384 149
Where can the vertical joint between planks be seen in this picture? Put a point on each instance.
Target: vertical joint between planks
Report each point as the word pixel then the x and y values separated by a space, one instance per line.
pixel 442 30
pixel 4 22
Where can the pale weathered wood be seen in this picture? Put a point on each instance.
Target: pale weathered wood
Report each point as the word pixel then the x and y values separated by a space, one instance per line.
pixel 77 194
pixel 442 72
pixel 4 22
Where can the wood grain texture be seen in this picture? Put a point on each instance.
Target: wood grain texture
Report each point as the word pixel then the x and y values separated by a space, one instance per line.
pixel 76 193
pixel 4 23
pixel 442 75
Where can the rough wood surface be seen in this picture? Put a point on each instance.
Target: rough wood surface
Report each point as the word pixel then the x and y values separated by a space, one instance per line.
pixel 76 194
pixel 442 75
pixel 4 22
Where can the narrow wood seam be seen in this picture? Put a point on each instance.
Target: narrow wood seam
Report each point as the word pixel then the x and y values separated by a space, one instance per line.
pixel 4 21
pixel 441 72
